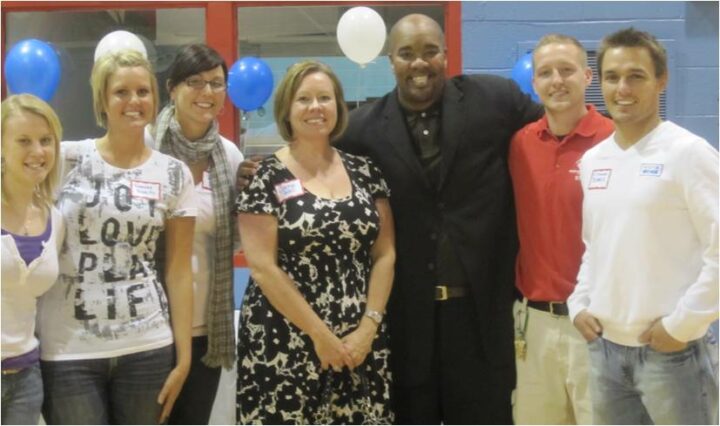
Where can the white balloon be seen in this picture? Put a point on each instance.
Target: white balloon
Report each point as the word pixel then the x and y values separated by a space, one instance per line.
pixel 119 40
pixel 361 34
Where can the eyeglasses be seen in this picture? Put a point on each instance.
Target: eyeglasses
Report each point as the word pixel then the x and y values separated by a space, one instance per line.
pixel 199 84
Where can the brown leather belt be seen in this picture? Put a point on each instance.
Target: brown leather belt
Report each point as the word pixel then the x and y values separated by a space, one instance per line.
pixel 555 308
pixel 443 292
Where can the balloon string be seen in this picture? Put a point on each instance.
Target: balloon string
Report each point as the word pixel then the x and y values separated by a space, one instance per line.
pixel 360 93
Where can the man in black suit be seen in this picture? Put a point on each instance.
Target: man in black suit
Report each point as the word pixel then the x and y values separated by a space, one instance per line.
pixel 442 145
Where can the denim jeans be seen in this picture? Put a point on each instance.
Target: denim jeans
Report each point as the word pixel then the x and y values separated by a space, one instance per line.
pixel 22 396
pixel 638 385
pixel 119 390
pixel 712 338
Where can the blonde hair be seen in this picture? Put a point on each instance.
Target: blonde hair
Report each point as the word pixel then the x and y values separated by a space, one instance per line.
pixel 29 104
pixel 556 38
pixel 105 67
pixel 289 86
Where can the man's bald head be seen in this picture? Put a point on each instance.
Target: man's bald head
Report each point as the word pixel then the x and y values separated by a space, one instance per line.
pixel 417 58
pixel 415 22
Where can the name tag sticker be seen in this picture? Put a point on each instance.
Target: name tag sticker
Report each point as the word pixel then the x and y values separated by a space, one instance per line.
pixel 148 190
pixel 654 170
pixel 287 190
pixel 599 178
pixel 206 181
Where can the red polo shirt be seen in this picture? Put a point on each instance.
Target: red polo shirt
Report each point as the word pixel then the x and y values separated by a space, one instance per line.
pixel 548 200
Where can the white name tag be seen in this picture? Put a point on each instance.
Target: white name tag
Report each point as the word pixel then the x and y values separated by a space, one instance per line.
pixel 290 189
pixel 206 181
pixel 148 190
pixel 654 170
pixel 599 179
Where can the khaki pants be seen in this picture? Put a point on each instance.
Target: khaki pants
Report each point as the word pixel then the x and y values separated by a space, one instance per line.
pixel 552 380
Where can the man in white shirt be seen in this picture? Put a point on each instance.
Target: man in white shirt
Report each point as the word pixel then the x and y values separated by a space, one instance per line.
pixel 647 288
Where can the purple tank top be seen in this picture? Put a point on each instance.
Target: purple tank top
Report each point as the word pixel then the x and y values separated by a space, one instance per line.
pixel 30 247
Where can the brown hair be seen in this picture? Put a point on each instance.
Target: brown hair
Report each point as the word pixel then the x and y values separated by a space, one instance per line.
pixel 288 87
pixel 630 37
pixel 30 104
pixel 194 59
pixel 105 67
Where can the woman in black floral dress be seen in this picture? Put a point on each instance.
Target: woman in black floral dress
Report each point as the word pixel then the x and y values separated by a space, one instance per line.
pixel 317 229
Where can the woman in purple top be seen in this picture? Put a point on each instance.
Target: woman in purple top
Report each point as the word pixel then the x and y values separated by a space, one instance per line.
pixel 32 232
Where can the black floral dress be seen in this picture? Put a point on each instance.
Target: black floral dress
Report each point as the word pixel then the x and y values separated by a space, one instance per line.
pixel 324 247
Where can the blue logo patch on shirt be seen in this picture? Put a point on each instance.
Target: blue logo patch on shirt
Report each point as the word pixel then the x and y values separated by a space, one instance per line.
pixel 653 170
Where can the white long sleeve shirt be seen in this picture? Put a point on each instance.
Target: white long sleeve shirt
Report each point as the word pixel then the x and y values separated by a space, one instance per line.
pixel 650 227
pixel 22 285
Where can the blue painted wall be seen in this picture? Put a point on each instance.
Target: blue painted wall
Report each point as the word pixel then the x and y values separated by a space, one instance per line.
pixel 493 34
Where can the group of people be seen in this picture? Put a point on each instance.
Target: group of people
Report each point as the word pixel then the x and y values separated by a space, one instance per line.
pixel 126 243
pixel 537 265
pixel 553 265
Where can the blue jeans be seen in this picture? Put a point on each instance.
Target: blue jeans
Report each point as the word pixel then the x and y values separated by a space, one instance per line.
pixel 638 385
pixel 22 396
pixel 119 390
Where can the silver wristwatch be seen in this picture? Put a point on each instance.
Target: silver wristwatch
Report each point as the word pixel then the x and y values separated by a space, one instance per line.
pixel 374 315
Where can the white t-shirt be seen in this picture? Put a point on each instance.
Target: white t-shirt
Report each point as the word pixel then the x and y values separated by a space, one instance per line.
pixel 203 256
pixel 107 301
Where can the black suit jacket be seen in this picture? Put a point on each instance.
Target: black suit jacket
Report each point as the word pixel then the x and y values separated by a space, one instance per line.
pixel 479 116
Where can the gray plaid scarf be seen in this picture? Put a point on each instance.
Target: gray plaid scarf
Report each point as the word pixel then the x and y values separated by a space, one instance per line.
pixel 220 306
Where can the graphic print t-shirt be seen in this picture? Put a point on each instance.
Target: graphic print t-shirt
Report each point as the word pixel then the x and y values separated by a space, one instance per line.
pixel 107 301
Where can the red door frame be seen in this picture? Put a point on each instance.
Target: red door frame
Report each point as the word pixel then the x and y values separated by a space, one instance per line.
pixel 221 29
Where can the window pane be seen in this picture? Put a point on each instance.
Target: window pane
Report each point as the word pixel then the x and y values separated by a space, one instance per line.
pixel 284 35
pixel 75 36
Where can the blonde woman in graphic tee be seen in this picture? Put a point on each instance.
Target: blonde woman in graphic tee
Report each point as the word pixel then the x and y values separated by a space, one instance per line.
pixel 105 330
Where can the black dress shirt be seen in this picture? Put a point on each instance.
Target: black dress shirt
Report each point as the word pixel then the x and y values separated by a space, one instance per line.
pixel 425 131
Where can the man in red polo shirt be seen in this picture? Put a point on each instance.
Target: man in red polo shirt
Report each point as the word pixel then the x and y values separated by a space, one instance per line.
pixel 551 355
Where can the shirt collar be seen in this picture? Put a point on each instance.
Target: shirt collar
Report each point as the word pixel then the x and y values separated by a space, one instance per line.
pixel 432 111
pixel 587 127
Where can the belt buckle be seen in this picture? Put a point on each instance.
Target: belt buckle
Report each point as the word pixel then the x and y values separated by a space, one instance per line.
pixel 9 371
pixel 551 305
pixel 441 292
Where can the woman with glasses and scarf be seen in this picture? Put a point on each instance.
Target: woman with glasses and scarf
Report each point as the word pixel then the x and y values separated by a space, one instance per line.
pixel 187 129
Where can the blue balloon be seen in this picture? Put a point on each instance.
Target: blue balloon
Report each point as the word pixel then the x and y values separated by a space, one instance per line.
pixel 32 66
pixel 522 73
pixel 250 83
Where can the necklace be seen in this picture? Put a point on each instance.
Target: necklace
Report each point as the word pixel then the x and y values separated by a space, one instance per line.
pixel 30 214
pixel 27 218
pixel 25 228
